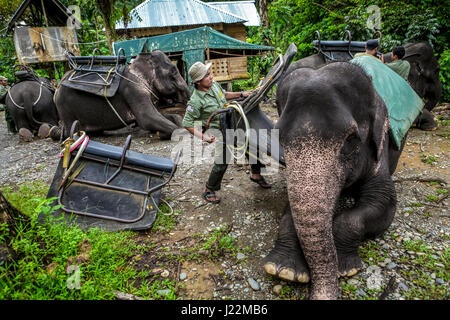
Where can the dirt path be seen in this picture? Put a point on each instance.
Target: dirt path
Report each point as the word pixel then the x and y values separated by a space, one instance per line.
pixel 247 219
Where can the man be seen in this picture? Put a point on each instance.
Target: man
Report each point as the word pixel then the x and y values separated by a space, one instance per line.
pixel 3 92
pixel 208 97
pixel 400 66
pixel 371 50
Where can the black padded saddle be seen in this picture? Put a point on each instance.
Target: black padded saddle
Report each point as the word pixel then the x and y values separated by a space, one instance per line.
pixel 99 75
pixel 110 187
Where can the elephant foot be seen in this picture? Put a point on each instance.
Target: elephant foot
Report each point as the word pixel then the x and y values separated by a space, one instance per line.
pixel 55 133
pixel 426 121
pixel 44 131
pixel 348 264
pixel 286 260
pixel 164 135
pixel 25 134
pixel 286 273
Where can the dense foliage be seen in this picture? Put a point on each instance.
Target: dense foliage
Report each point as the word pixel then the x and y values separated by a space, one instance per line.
pixel 399 21
pixel 289 21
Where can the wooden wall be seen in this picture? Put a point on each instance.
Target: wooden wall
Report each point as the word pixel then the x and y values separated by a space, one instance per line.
pixel 226 69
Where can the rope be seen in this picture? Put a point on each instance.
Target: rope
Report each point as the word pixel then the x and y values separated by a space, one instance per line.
pixel 40 94
pixel 238 108
pixel 141 84
pixel 14 103
pixel 85 140
pixel 68 42
pixel 110 104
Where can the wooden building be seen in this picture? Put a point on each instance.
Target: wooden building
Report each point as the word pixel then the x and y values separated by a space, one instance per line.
pixel 43 31
pixel 154 18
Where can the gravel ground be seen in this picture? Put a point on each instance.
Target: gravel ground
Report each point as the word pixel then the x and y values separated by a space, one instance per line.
pixel 410 261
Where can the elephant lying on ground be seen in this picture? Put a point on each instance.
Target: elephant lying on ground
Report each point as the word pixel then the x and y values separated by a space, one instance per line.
pixel 148 85
pixel 334 131
pixel 30 104
pixel 423 76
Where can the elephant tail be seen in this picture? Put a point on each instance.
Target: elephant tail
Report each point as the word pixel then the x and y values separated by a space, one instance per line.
pixel 29 109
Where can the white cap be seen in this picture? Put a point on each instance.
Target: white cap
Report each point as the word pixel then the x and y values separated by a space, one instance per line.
pixel 198 71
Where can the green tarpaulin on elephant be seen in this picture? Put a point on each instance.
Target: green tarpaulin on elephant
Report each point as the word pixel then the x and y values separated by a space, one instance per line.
pixel 402 102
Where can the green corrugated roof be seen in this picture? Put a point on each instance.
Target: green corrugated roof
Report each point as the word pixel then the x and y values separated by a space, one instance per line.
pixel 191 42
pixel 199 38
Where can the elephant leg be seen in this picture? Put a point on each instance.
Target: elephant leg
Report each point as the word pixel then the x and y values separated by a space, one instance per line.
pixel 175 118
pixel 286 260
pixel 425 121
pixel 371 216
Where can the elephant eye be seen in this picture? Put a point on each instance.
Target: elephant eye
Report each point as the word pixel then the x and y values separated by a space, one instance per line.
pixel 351 144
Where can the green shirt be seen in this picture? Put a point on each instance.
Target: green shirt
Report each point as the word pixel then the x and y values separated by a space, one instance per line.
pixel 402 67
pixel 202 104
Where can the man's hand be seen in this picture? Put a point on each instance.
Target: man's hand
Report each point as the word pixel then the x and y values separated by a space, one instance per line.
pixel 209 139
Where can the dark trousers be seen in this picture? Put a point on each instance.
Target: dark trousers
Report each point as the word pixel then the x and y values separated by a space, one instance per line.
pixel 221 165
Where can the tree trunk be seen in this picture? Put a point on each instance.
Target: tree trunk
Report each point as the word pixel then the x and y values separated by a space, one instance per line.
pixel 265 24
pixel 263 12
pixel 106 9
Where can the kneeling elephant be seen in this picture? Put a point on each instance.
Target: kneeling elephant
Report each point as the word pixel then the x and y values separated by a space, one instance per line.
pixel 334 131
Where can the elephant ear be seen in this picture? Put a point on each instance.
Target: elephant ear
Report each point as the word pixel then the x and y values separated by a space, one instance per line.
pixel 380 128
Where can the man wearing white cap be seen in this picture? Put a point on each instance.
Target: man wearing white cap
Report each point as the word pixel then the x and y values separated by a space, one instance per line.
pixel 208 97
pixel 3 91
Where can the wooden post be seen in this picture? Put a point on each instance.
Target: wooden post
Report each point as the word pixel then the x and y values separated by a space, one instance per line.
pixel 45 13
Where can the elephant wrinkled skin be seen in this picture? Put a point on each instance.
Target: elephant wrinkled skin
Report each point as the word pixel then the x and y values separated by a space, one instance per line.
pixel 149 84
pixel 423 76
pixel 32 108
pixel 334 132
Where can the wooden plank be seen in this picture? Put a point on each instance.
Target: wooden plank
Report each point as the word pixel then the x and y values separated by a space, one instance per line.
pixel 41 45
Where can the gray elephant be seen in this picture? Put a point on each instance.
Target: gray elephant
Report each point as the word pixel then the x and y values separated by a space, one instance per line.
pixel 149 85
pixel 423 76
pixel 30 104
pixel 339 160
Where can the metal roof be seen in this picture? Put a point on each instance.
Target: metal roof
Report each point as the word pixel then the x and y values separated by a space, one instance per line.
pixel 244 9
pixel 166 13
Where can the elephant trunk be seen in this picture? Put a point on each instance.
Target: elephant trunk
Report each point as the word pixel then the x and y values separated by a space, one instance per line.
pixel 314 182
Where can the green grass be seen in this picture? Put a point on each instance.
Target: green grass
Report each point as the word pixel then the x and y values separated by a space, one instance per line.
pixel 57 261
pixel 429 159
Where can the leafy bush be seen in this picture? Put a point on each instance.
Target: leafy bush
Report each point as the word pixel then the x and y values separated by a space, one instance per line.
pixel 444 75
pixel 59 261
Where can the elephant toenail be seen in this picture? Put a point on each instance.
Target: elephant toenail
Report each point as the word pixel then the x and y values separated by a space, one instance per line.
pixel 270 268
pixel 287 274
pixel 352 272
pixel 303 278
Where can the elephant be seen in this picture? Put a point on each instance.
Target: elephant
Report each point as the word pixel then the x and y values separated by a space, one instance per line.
pixel 334 130
pixel 30 104
pixel 148 85
pixel 423 76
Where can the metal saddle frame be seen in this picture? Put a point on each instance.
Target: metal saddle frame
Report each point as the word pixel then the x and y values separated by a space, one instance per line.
pixel 256 118
pixel 104 67
pixel 340 50
pixel 110 187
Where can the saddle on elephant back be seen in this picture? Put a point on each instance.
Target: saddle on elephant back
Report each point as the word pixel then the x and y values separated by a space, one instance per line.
pixel 97 185
pixel 339 50
pixel 99 75
pixel 26 73
pixel 247 114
